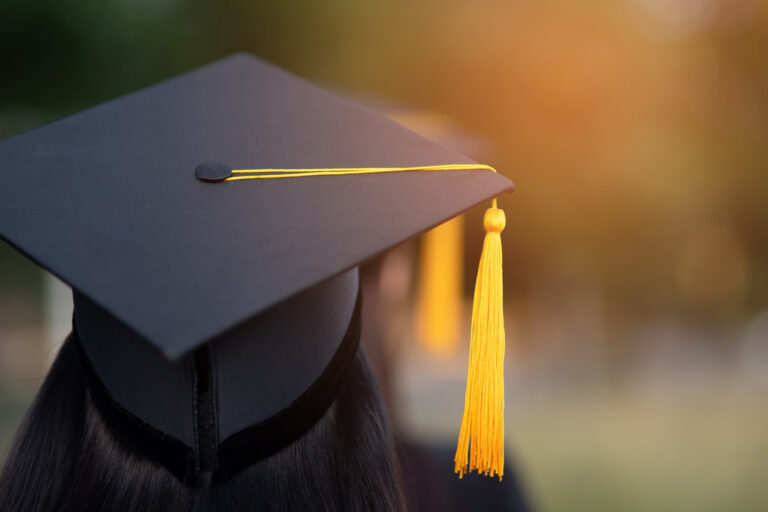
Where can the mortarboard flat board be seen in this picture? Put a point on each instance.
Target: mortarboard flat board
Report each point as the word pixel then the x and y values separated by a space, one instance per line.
pixel 109 201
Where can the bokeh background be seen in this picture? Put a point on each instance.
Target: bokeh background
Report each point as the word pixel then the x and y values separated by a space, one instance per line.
pixel 636 253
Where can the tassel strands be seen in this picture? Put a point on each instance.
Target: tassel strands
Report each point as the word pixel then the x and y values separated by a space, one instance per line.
pixel 481 438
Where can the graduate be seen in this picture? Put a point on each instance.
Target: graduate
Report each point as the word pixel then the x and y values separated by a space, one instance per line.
pixel 211 227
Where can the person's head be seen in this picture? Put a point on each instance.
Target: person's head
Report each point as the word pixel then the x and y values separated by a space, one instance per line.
pixel 85 445
pixel 66 458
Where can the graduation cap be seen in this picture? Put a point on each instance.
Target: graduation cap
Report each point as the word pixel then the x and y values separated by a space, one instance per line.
pixel 210 227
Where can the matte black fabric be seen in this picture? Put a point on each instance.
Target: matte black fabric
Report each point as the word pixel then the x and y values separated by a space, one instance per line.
pixel 217 438
pixel 276 432
pixel 175 456
pixel 137 375
pixel 108 200
pixel 268 362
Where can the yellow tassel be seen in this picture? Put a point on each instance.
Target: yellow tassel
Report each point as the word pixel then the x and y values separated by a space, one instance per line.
pixel 440 287
pixel 483 422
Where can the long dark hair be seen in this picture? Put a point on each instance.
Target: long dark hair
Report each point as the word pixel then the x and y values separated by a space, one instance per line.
pixel 65 458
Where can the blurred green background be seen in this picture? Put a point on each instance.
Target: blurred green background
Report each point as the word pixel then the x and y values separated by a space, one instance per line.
pixel 636 252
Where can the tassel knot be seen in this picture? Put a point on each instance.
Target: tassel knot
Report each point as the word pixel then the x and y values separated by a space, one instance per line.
pixel 494 220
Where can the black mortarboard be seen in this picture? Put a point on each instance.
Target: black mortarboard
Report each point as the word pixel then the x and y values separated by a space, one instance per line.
pixel 242 294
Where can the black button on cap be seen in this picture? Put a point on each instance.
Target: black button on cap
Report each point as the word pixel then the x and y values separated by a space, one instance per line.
pixel 213 171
